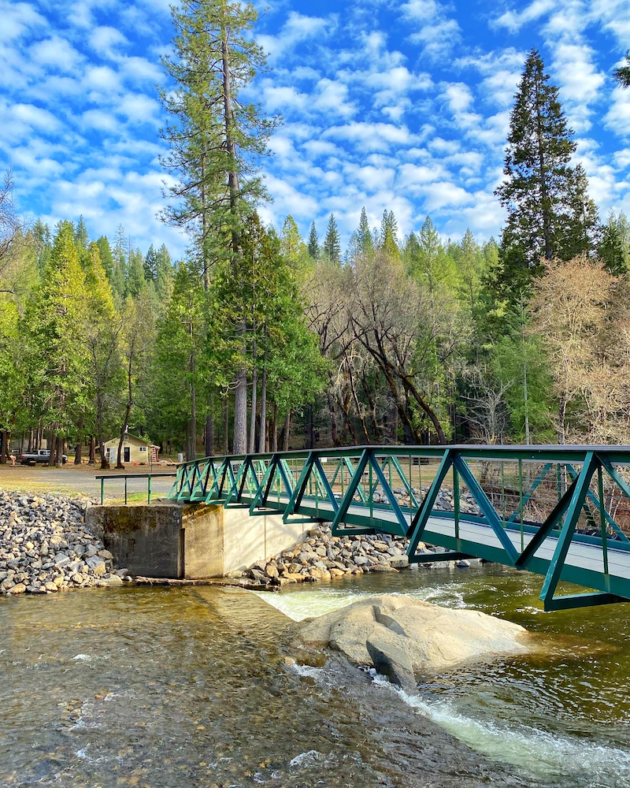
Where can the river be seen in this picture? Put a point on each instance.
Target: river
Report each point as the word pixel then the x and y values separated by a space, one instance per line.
pixel 189 687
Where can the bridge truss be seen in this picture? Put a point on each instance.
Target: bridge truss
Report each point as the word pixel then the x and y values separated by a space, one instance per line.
pixel 558 511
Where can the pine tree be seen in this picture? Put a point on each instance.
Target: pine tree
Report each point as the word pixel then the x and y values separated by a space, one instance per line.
pixel 622 74
pixel 313 243
pixel 612 251
pixel 164 274
pixel 150 265
pixel 215 139
pixel 56 320
pixel 81 237
pixel 389 232
pixel 332 245
pixel 426 259
pixel 538 191
pixel 119 264
pixel 583 229
pixel 135 274
pixel 105 253
pixel 364 236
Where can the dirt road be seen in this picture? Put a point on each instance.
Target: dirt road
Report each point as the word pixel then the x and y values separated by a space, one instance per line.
pixel 73 479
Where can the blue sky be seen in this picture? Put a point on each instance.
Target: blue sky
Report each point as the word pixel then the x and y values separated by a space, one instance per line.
pixel 387 104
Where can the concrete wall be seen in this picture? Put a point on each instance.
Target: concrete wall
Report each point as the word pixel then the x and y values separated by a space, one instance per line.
pixel 250 539
pixel 190 541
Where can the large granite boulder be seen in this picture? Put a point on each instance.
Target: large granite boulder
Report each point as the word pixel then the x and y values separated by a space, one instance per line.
pixel 405 638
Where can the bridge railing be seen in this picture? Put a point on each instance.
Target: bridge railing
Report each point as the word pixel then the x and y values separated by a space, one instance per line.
pixel 524 494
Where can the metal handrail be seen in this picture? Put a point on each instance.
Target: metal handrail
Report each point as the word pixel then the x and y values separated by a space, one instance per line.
pixel 126 476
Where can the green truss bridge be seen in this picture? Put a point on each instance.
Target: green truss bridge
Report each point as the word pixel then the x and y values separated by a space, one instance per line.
pixel 562 512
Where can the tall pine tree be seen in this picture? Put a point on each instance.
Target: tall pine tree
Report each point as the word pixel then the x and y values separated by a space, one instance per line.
pixel 313 243
pixel 549 214
pixel 332 244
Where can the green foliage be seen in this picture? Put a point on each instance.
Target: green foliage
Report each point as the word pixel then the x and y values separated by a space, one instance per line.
pixel 622 73
pixel 313 243
pixel 549 212
pixel 388 236
pixel 331 249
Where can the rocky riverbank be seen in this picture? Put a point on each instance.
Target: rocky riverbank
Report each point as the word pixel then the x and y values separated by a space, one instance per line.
pixel 323 556
pixel 46 548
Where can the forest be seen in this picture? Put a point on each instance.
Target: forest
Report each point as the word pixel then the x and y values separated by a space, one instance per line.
pixel 261 340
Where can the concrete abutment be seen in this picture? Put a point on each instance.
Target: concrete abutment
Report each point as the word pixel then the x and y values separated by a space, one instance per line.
pixel 190 541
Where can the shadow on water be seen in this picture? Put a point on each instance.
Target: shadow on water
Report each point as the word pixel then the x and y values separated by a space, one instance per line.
pixel 188 687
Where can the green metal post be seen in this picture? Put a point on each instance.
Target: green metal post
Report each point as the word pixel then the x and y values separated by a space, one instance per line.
pixel 520 501
pixel 149 489
pixel 602 516
pixel 125 491
pixel 456 502
pixel 370 488
pixel 102 491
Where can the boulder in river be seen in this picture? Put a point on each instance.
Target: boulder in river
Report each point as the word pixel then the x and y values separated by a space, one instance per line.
pixel 405 638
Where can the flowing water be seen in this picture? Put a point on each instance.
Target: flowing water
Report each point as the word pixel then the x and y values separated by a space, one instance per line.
pixel 189 687
pixel 562 718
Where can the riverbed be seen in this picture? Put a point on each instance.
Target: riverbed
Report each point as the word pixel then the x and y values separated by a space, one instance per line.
pixel 189 687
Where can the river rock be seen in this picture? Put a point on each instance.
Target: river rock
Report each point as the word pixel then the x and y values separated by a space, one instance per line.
pixel 45 546
pixel 403 637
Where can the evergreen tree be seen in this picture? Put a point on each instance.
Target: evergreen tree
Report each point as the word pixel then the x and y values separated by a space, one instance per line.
pixel 426 259
pixel 135 274
pixel 332 244
pixel 43 245
pixel 150 265
pixel 313 243
pixel 546 200
pixel 389 232
pixel 105 254
pixel 215 139
pixel 622 74
pixel 119 264
pixel 81 237
pixel 364 236
pixel 164 274
pixel 612 250
pixel 581 237
pixel 56 320
pixel 291 244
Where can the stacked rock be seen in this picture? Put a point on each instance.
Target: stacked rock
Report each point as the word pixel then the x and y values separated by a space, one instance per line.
pixel 323 556
pixel 45 546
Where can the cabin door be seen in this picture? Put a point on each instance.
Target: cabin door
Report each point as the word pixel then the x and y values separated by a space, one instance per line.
pixel 127 451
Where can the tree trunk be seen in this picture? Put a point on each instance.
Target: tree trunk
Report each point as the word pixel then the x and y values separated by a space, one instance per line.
pixel 99 428
pixel 334 429
pixel 263 413
pixel 191 448
pixel 285 431
pixel 226 426
pixel 252 420
pixel 210 431
pixel 240 413
pixel 3 452
pixel 92 457
pixel 78 452
pixel 274 428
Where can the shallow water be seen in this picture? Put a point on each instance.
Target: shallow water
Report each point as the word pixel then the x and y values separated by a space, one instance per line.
pixel 188 687
pixel 561 717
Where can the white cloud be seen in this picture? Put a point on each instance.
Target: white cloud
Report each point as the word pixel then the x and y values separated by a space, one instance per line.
pixel 56 53
pixel 17 19
pixel 298 28
pixel 514 20
pixel 106 40
pixel 618 116
pixel 371 136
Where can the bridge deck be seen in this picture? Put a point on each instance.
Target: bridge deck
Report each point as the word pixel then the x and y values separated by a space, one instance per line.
pixel 479 540
pixel 572 503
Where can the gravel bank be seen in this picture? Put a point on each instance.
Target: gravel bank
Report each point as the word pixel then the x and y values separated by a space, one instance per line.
pixel 323 556
pixel 45 547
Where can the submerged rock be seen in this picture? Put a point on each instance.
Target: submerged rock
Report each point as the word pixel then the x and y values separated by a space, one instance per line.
pixel 405 638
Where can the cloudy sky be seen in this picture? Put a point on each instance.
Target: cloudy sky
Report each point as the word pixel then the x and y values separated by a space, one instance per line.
pixel 387 104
